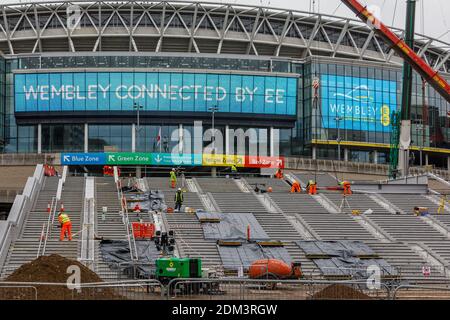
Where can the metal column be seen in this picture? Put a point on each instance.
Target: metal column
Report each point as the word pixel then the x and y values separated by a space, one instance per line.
pixel 86 137
pixel 133 138
pixel 274 142
pixel 39 139
pixel 227 139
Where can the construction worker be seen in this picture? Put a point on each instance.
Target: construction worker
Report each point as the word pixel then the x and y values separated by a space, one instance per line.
pixel 421 211
pixel 347 187
pixel 311 187
pixel 173 178
pixel 296 187
pixel 279 174
pixel 66 226
pixel 178 199
pixel 233 169
pixel 137 208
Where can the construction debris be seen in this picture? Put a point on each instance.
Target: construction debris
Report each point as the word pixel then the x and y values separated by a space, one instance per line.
pixel 54 269
pixel 340 292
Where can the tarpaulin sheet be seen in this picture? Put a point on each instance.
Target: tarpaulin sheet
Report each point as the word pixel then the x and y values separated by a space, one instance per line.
pixel 148 201
pixel 233 226
pixel 244 255
pixel 157 202
pixel 131 189
pixel 353 267
pixel 116 253
pixel 326 249
pixel 345 258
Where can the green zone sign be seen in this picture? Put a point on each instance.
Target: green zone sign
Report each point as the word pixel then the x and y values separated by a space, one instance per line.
pixel 123 158
pixel 169 159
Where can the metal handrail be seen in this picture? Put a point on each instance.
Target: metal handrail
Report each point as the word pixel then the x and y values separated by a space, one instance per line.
pixel 46 228
pixel 50 224
pixel 130 236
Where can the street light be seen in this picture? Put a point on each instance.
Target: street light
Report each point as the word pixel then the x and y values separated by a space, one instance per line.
pixel 137 107
pixel 338 119
pixel 213 109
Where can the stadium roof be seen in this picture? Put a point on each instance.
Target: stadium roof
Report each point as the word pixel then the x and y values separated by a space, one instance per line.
pixel 198 27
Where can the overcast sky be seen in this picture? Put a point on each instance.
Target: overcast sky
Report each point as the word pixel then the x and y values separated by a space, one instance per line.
pixel 435 22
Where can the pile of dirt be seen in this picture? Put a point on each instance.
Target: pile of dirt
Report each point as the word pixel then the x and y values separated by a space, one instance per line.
pixel 54 269
pixel 340 292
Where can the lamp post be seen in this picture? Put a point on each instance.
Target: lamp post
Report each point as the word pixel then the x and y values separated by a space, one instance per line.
pixel 338 139
pixel 213 109
pixel 137 107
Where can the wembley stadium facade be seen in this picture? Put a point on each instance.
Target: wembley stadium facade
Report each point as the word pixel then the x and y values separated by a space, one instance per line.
pixel 73 74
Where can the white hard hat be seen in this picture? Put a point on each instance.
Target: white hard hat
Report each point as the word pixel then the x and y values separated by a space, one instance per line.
pixel 179 189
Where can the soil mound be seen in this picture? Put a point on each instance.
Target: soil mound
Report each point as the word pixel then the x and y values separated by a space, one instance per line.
pixel 53 269
pixel 340 292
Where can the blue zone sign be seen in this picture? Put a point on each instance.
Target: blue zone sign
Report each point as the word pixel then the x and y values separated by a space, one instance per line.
pixel 83 158
pixel 155 91
pixel 360 103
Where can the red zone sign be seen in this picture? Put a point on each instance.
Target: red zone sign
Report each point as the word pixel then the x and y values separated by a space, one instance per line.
pixel 264 162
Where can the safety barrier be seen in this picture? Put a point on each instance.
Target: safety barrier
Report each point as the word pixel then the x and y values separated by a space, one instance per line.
pixel 270 289
pixel 294 163
pixel 21 159
pixel 124 290
pixel 413 292
pixel 222 289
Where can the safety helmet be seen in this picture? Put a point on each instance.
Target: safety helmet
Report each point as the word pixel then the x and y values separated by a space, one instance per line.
pixel 179 189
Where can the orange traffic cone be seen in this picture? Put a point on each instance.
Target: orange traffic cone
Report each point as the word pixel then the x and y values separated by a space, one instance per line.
pixel 48 207
pixel 62 207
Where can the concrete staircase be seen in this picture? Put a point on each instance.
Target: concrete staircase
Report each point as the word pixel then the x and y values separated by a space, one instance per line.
pixel 277 185
pixel 361 202
pixel 335 227
pixel 110 226
pixel 274 224
pixel 189 238
pixel 406 202
pixel 25 248
pixel 407 228
pixel 292 203
pixel 217 184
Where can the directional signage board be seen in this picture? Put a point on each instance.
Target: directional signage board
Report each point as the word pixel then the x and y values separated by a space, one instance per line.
pixel 124 158
pixel 169 159
pixel 264 162
pixel 83 158
pixel 223 160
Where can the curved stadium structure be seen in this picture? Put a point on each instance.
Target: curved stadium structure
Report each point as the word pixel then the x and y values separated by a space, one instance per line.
pixel 72 73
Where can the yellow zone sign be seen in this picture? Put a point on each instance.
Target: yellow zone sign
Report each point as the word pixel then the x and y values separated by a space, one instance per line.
pixel 224 160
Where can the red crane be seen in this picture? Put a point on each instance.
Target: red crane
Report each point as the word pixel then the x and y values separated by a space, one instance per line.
pixel 402 49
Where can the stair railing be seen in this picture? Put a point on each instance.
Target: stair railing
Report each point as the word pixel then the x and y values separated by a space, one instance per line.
pixel 46 228
pixel 125 218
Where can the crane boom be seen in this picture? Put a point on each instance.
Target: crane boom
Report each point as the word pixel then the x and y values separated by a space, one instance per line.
pixel 402 49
